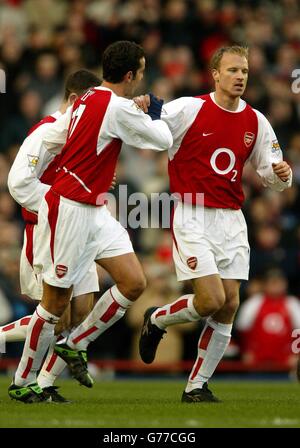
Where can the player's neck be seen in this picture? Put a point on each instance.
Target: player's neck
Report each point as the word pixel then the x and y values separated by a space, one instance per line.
pixel 63 107
pixel 227 102
pixel 118 89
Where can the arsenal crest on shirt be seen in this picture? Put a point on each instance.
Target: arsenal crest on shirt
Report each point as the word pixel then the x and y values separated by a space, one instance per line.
pixel 248 138
pixel 192 262
pixel 61 270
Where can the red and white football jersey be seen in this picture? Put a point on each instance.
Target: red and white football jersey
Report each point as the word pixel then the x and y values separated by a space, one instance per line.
pixel 266 326
pixel 33 170
pixel 93 132
pixel 211 146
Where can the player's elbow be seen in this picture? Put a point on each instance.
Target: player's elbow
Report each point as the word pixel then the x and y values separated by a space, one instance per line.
pixel 166 141
pixel 52 147
pixel 13 184
pixel 17 187
pixel 169 141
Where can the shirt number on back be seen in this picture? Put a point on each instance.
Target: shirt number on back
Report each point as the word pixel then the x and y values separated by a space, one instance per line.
pixel 76 117
pixel 213 162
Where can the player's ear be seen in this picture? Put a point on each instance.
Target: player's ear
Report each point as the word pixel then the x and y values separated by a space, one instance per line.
pixel 72 98
pixel 128 77
pixel 215 75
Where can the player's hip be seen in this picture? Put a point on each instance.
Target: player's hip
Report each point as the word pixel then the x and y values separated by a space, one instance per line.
pixel 211 225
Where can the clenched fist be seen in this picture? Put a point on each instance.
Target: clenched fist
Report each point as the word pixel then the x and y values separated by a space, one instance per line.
pixel 282 169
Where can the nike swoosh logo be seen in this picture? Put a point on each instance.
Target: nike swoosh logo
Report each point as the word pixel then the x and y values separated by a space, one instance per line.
pixel 206 134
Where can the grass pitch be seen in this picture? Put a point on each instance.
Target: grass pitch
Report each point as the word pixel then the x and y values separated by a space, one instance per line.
pixel 156 404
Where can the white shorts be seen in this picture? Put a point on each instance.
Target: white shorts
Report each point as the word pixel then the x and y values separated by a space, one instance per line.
pixel 71 235
pixel 31 283
pixel 210 241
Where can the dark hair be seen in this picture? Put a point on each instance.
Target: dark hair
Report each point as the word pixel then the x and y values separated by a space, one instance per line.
pixel 119 58
pixel 80 81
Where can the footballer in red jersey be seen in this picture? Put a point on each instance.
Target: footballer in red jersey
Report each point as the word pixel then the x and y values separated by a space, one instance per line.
pixel 74 226
pixel 30 177
pixel 214 136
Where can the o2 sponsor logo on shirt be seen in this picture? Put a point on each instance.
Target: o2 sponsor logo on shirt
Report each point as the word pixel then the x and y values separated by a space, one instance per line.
pixel 232 159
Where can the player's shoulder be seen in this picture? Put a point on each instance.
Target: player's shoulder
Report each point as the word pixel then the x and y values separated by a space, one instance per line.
pixel 261 118
pixel 260 115
pixel 204 97
pixel 184 104
pixel 293 300
pixel 121 105
pixel 42 126
pixel 192 99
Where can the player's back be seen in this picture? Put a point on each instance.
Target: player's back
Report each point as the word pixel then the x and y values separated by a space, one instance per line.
pixel 33 167
pixel 89 157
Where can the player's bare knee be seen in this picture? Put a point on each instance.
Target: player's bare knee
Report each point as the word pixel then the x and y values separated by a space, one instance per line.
pixel 138 287
pixel 61 326
pixel 208 305
pixel 231 305
pixel 56 304
pixel 134 287
pixel 78 319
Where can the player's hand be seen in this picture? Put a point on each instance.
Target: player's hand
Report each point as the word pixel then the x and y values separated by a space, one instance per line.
pixel 282 170
pixel 143 101
pixel 113 182
pixel 156 104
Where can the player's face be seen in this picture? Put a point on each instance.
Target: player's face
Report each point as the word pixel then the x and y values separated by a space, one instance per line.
pixel 132 86
pixel 232 76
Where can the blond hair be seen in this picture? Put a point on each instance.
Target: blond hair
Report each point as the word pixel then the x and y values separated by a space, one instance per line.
pixel 234 49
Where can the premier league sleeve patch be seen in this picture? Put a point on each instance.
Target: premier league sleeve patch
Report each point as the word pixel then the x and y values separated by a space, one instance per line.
pixel 275 146
pixel 32 162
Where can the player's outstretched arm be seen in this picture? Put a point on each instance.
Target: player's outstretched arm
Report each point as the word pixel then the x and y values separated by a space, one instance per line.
pixel 135 128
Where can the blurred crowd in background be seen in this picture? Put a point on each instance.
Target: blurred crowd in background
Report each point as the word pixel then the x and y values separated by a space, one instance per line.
pixel 42 41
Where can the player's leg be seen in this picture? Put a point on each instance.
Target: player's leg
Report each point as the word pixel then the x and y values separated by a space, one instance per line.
pixel 53 365
pixel 81 306
pixel 57 245
pixel 40 333
pixel 232 256
pixel 15 331
pixel 213 342
pixel 226 314
pixel 130 282
pixel 208 297
pixel 128 275
pixel 115 254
